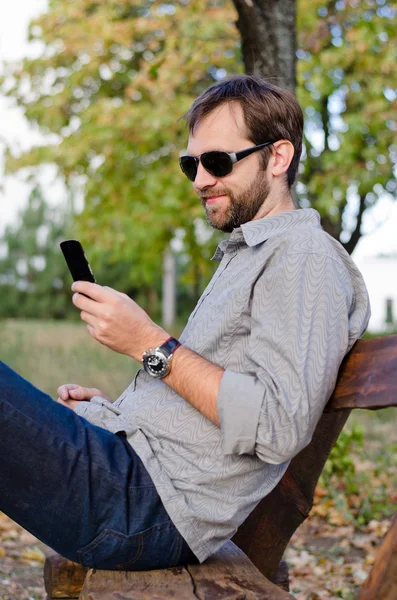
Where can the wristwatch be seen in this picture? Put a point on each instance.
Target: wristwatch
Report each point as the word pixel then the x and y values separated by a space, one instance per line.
pixel 157 361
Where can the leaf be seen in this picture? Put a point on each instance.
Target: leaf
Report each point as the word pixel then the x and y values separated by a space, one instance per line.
pixel 33 554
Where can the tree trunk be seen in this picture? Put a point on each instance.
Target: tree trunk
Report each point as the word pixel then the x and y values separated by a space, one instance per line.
pixel 268 37
pixel 169 288
pixel 331 227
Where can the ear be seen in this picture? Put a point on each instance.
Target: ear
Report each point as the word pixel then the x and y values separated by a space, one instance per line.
pixel 283 152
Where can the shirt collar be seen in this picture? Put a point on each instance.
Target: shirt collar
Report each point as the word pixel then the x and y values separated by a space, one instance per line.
pixel 257 232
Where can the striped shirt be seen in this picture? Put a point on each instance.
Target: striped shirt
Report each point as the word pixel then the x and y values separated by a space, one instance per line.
pixel 283 308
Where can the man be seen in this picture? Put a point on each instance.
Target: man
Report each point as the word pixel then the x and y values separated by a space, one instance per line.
pixel 168 472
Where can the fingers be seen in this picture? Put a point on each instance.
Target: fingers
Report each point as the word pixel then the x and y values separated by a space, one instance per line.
pixel 83 393
pixel 77 392
pixel 92 290
pixel 63 390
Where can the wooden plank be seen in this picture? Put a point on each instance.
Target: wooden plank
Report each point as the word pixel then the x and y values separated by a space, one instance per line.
pixel 228 575
pixel 281 576
pixel 367 379
pixel 368 376
pixel 62 577
pixel 265 533
pixel 382 580
pixel 138 585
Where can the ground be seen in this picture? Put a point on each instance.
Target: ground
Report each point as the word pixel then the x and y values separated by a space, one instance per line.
pixel 331 553
pixel 21 563
pixel 325 562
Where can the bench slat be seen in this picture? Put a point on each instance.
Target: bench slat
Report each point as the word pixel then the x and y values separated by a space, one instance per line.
pixel 227 575
pixel 367 377
pixel 138 585
pixel 62 577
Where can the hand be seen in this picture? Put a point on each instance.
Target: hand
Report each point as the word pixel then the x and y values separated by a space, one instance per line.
pixel 115 320
pixel 70 394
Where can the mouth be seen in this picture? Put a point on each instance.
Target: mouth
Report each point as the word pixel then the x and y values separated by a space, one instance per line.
pixel 213 199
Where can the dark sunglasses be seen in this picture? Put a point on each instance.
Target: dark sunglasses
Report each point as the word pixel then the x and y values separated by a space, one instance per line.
pixel 216 162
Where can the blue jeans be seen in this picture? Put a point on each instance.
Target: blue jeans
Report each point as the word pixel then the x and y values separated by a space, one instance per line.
pixel 80 489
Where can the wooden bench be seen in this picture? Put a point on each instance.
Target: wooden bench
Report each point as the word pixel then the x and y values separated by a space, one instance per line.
pixel 250 567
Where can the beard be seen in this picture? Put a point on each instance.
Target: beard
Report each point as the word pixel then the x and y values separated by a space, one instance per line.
pixel 243 206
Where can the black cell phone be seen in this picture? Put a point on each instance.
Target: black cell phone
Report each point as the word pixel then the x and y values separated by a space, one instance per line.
pixel 77 261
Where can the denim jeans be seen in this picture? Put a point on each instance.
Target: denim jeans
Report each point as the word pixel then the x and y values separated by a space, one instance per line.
pixel 80 489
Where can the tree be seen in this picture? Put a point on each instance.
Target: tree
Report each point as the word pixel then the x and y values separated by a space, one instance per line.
pixel 113 89
pixel 114 78
pixel 33 279
pixel 347 83
pixel 268 39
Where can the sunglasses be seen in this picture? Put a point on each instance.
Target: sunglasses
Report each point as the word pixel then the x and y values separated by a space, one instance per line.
pixel 216 162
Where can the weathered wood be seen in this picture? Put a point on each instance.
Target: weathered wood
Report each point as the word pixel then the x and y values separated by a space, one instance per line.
pixel 264 535
pixel 231 575
pixel 62 577
pixel 382 580
pixel 138 585
pixel 266 532
pixel 228 575
pixel 368 376
pixel 281 576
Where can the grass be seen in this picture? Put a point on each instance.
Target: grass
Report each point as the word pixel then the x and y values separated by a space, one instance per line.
pixel 50 353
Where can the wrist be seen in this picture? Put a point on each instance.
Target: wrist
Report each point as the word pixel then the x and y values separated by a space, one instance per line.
pixel 152 338
pixel 157 361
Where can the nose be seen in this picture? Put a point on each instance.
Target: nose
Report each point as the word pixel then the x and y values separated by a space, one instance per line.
pixel 203 179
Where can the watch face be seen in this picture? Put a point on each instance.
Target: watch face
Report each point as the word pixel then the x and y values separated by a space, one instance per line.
pixel 155 363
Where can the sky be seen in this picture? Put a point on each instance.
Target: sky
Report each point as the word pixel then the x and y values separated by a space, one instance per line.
pixel 379 223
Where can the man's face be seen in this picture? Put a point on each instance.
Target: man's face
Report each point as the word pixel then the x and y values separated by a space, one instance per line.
pixel 235 199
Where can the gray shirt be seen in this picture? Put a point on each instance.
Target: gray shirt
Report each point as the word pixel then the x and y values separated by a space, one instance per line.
pixel 283 308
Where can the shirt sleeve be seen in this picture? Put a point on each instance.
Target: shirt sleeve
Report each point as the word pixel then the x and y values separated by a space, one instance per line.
pixel 299 336
pixel 98 411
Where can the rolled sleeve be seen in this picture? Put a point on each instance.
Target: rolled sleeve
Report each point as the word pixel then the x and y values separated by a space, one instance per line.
pixel 239 420
pixel 299 336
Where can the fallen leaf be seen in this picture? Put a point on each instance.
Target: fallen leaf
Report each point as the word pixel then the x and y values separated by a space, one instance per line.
pixel 34 554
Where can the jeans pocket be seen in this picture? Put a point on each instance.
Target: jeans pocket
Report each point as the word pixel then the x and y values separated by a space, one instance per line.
pixel 158 547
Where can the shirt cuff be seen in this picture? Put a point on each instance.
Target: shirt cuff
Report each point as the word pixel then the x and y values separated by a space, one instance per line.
pixel 83 408
pixel 89 409
pixel 239 404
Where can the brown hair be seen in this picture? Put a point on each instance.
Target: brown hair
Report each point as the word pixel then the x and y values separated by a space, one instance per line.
pixel 271 113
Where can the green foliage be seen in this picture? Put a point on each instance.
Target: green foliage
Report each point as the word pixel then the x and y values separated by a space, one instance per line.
pixel 340 461
pixel 33 280
pixel 347 82
pixel 114 78
pixel 112 89
pixel 355 494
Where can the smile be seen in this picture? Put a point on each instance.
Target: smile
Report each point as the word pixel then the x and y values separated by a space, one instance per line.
pixel 213 199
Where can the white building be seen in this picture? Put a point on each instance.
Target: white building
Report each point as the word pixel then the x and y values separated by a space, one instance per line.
pixel 380 275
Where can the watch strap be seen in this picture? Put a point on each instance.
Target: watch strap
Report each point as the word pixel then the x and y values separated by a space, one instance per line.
pixel 170 346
